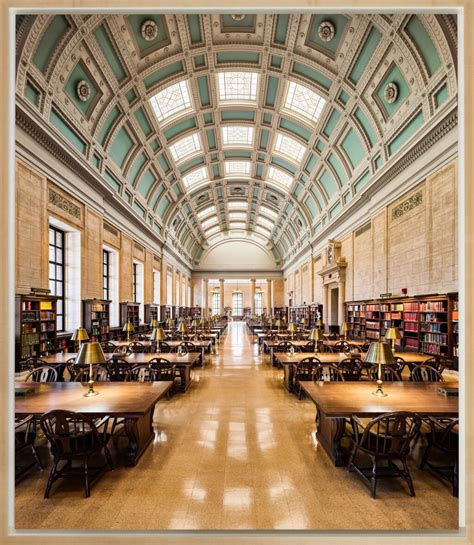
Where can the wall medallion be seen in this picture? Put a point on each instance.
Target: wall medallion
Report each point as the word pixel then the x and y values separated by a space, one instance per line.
pixel 326 31
pixel 391 92
pixel 149 30
pixel 83 90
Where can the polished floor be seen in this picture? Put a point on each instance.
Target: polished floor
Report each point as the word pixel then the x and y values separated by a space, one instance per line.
pixel 235 452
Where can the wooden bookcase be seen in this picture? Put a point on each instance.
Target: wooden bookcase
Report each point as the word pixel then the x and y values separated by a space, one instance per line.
pixel 166 312
pixel 35 325
pixel 195 313
pixel 152 312
pixel 129 312
pixel 96 318
pixel 280 313
pixel 428 324
pixel 311 313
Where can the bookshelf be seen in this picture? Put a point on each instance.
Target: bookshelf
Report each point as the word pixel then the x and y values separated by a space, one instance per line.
pixel 311 313
pixel 355 317
pixel 152 312
pixel 129 312
pixel 280 313
pixel 453 327
pixel 35 325
pixel 434 327
pixel 165 312
pixel 195 313
pixel 96 317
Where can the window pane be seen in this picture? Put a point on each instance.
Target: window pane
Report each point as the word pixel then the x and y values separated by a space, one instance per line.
pixel 52 253
pixel 59 323
pixel 59 272
pixel 52 287
pixel 59 239
pixel 52 271
pixel 59 288
pixel 59 306
pixel 51 236
pixel 59 256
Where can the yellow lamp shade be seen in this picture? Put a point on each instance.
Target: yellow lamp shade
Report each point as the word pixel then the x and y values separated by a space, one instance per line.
pixel 90 354
pixel 182 327
pixel 128 327
pixel 80 335
pixel 279 323
pixel 319 323
pixel 344 327
pixel 379 353
pixel 292 327
pixel 304 321
pixel 316 335
pixel 195 322
pixel 392 333
pixel 154 324
pixel 203 321
pixel 157 334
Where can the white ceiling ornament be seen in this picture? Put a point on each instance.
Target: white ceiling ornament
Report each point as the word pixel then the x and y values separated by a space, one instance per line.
pixel 149 30
pixel 83 91
pixel 391 92
pixel 238 17
pixel 326 31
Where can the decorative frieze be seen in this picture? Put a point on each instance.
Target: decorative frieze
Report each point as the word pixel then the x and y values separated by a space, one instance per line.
pixel 63 203
pixel 363 229
pixel 111 229
pixel 412 202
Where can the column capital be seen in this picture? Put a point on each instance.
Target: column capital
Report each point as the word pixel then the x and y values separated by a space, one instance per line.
pixel 221 280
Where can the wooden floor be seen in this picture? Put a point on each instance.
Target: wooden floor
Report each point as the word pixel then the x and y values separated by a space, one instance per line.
pixel 235 451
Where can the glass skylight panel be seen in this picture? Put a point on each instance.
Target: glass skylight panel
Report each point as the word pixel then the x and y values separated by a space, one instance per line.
pixel 262 230
pixel 266 223
pixel 212 230
pixel 187 146
pixel 237 204
pixel 268 212
pixel 304 101
pixel 237 168
pixel 289 147
pixel 279 176
pixel 206 212
pixel 196 177
pixel 237 216
pixel 209 222
pixel 237 135
pixel 237 224
pixel 237 86
pixel 171 101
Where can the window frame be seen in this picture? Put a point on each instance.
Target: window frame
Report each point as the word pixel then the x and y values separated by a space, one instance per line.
pixel 62 265
pixel 106 274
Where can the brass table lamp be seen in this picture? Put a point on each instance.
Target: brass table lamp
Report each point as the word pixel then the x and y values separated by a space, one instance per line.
pixel 157 335
pixel 90 354
pixel 128 328
pixel 392 334
pixel 344 330
pixel 316 335
pixel 195 324
pixel 80 335
pixel 279 323
pixel 379 353
pixel 154 324
pixel 292 329
pixel 183 329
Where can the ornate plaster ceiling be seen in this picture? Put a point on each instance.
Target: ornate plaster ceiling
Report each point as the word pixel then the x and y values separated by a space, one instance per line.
pixel 217 126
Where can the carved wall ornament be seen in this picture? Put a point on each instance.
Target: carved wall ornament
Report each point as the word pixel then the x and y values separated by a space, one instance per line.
pixel 149 30
pixel 391 92
pixel 83 91
pixel 68 206
pixel 326 31
pixel 238 17
pixel 404 207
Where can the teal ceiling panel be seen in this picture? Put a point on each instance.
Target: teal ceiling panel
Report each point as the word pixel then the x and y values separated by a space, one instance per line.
pixel 281 29
pixel 204 94
pixel 131 96
pixel 157 194
pixel 366 126
pixel 259 171
pixel 310 164
pixel 365 54
pixel 121 147
pixel 163 73
pixel 32 94
pixel 264 139
pixel 139 209
pixel 354 148
pixel 208 118
pixel 146 183
pixel 136 167
pixel 393 75
pixel 184 126
pixel 338 21
pixel 161 39
pixel 267 119
pixel 276 61
pixel 426 48
pixel 164 203
pixel 107 126
pixel 237 153
pixel 441 95
pixel 164 163
pixel 194 26
pixel 110 53
pixel 81 73
pixel 331 122
pixel 337 166
pixel 143 122
pixel 344 97
pixel 328 182
pixel 313 75
pixel 295 128
pixel 362 181
pixel 284 164
pixel 191 164
pixel 272 89
pixel 320 145
pixel 319 197
pixel 111 181
pixel 68 133
pixel 199 61
pixel 226 57
pixel 49 43
pixel 211 138
pixel 334 211
pixel 407 132
pixel 237 115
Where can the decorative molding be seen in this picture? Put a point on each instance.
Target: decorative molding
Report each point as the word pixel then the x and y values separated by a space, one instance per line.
pixel 83 91
pixel 138 247
pixel 326 31
pixel 56 199
pixel 391 92
pixel 363 229
pixel 149 30
pixel 111 229
pixel 407 205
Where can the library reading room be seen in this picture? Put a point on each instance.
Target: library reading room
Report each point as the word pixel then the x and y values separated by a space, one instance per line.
pixel 236 291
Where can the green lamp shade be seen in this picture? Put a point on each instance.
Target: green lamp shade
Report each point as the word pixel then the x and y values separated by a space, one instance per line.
pixel 182 327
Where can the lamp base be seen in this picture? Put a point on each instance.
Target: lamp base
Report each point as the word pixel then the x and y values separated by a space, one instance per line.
pixel 91 393
pixel 379 393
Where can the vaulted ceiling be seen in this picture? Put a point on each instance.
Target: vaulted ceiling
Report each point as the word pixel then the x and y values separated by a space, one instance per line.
pixel 259 127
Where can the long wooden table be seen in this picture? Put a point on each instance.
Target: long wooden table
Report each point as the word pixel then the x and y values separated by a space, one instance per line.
pixel 133 401
pixel 336 401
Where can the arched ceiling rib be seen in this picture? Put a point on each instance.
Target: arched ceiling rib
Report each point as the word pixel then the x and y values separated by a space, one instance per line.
pixel 212 111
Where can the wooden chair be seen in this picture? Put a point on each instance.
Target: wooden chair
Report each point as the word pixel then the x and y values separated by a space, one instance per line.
pixel 136 347
pixel 425 373
pixel 25 435
pixel 43 373
pixel 386 438
pixel 282 346
pixel 139 373
pixel 389 374
pixel 75 437
pixel 108 347
pixel 99 374
pixel 365 346
pixel 30 363
pixel 443 436
pixel 162 369
pixel 328 373
pixel 118 369
pixel 440 363
pixel 72 369
pixel 122 351
pixel 341 346
pixel 399 365
pixel 164 347
pixel 304 372
pixel 351 368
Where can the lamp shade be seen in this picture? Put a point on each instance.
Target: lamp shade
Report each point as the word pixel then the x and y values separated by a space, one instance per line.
pixel 154 324
pixel 392 333
pixel 182 327
pixel 303 321
pixel 128 327
pixel 169 322
pixel 319 323
pixel 157 334
pixel 90 354
pixel 344 327
pixel 292 327
pixel 195 322
pixel 316 335
pixel 279 323
pixel 203 321
pixel 80 335
pixel 379 353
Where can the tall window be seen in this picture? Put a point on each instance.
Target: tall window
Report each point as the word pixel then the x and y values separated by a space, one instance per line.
pixel 56 272
pixel 216 302
pixel 237 303
pixel 105 274
pixel 134 280
pixel 259 303
pixel 156 287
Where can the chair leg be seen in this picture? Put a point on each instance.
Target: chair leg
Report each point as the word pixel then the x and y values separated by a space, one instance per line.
pixel 455 480
pixel 425 455
pixel 86 478
pixel 109 457
pixel 50 482
pixel 406 474
pixel 36 457
pixel 351 458
pixel 373 480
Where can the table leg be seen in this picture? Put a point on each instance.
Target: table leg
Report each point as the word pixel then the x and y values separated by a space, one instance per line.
pixel 140 434
pixel 288 373
pixel 329 433
pixel 185 374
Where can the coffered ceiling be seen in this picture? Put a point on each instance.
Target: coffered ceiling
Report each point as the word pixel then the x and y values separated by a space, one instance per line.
pixel 260 127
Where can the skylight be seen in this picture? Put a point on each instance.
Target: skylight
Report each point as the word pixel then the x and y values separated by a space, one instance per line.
pixel 171 101
pixel 268 212
pixel 237 168
pixel 237 216
pixel 265 223
pixel 237 224
pixel 237 86
pixel 237 204
pixel 262 230
pixel 304 101
pixel 195 177
pixel 212 230
pixel 279 176
pixel 187 146
pixel 209 222
pixel 237 135
pixel 289 147
pixel 206 212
